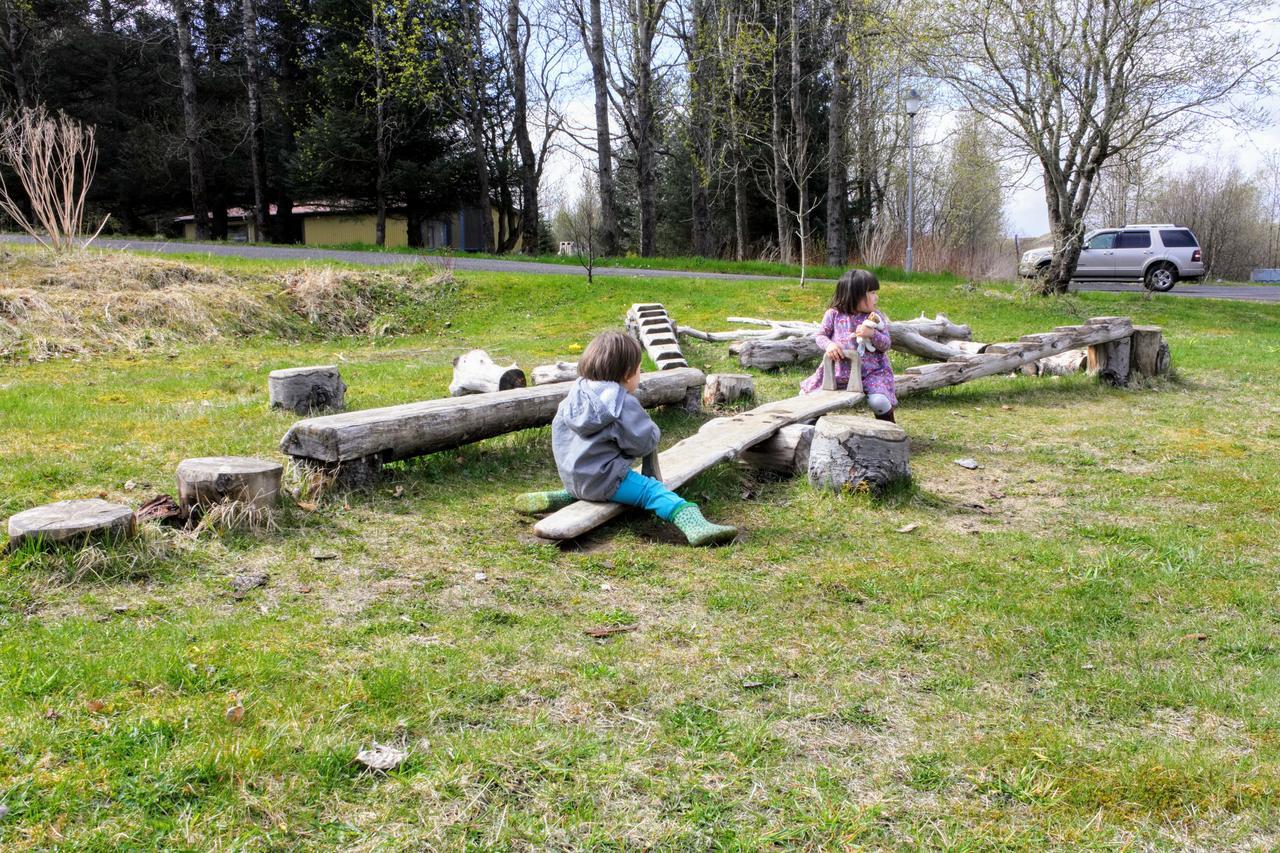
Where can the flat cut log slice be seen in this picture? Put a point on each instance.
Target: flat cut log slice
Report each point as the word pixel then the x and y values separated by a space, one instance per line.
pixel 307 389
pixel 849 452
pixel 210 480
pixel 71 523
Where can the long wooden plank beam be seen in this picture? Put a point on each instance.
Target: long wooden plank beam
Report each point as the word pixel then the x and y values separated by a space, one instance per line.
pixel 719 440
pixel 413 429
pixel 723 439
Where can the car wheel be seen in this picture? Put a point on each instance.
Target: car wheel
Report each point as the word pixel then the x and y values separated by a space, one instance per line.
pixel 1160 278
pixel 1042 272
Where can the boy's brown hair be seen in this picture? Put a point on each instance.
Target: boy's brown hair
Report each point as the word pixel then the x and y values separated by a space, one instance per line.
pixel 610 357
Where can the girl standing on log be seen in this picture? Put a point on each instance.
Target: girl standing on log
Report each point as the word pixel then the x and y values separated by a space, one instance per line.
pixel 599 430
pixel 844 323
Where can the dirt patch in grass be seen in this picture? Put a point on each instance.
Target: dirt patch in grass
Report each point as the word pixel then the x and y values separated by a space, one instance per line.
pixel 89 302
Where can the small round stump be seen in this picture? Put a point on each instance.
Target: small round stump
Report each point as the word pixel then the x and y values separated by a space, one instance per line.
pixel 307 389
pixel 723 388
pixel 71 523
pixel 848 451
pixel 213 480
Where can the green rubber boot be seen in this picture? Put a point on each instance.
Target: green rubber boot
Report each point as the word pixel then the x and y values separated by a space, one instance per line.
pixel 534 503
pixel 697 529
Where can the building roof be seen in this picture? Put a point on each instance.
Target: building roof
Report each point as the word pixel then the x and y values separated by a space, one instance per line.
pixel 234 213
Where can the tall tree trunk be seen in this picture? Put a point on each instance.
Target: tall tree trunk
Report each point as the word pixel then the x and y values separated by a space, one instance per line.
pixel 740 236
pixel 15 36
pixel 646 154
pixel 800 123
pixel 381 147
pixel 837 162
pixel 517 48
pixel 257 144
pixel 191 120
pixel 604 139
pixel 700 140
pixel 781 213
pixel 475 122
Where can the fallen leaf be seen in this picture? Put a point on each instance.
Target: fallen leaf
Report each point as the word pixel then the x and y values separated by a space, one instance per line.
pixel 304 590
pixel 1199 638
pixel 907 528
pixel 381 757
pixel 481 576
pixel 971 464
pixel 235 714
pixel 50 714
pixel 129 485
pixel 321 556
pixel 307 506
pixel 605 587
pixel 752 685
pixel 121 608
pixel 399 492
pixel 1087 666
pixel 609 631
pixel 93 706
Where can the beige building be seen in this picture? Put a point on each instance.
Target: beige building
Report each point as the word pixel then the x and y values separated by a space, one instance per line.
pixel 329 225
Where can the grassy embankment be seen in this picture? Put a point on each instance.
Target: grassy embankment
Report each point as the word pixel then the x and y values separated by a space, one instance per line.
pixel 1077 646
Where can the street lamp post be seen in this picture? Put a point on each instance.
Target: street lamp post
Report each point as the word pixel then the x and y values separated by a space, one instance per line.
pixel 912 105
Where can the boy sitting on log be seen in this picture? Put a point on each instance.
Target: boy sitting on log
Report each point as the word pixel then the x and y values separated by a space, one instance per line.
pixel 598 432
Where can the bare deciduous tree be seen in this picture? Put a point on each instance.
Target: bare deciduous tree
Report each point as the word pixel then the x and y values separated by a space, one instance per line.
pixel 54 158
pixel 1077 82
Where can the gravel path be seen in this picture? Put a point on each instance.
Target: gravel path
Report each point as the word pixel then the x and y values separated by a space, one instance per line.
pixel 1251 293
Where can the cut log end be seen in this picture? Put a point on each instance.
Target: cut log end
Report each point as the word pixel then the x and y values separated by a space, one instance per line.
pixel 210 480
pixel 849 453
pixel 303 390
pixel 71 524
pixel 725 388
pixel 476 373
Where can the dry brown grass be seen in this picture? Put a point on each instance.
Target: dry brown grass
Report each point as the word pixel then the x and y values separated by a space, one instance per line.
pixel 92 302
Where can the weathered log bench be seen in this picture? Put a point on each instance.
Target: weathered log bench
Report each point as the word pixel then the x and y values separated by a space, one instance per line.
pixel 355 445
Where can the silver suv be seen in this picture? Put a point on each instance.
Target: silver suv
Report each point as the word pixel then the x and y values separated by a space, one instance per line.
pixel 1159 256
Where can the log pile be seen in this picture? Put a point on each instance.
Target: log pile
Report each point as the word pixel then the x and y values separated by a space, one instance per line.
pixel 938 339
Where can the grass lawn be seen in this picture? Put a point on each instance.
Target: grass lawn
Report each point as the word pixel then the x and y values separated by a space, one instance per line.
pixel 1079 645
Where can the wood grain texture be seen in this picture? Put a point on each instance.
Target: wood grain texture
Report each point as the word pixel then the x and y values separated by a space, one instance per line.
pixel 719 440
pixel 414 429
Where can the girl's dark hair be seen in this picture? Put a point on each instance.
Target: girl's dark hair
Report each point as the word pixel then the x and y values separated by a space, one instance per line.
pixel 610 357
pixel 850 289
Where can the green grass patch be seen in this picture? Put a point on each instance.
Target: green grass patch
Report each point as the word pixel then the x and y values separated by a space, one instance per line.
pixel 1076 647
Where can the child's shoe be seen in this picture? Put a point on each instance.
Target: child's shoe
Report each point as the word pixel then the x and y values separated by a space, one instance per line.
pixel 697 529
pixel 534 503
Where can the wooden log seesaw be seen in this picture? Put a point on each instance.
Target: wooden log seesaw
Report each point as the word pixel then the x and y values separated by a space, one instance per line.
pixel 728 438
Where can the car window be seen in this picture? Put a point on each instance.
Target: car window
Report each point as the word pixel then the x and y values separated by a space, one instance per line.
pixel 1105 240
pixel 1178 238
pixel 1134 240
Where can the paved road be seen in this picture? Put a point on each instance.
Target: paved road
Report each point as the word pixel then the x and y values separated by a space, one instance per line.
pixel 460 262
pixel 1252 293
pixel 1248 292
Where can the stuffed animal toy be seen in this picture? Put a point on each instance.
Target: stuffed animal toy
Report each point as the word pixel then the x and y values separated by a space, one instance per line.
pixel 865 346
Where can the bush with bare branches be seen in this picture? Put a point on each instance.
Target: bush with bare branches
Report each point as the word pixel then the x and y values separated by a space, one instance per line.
pixel 54 158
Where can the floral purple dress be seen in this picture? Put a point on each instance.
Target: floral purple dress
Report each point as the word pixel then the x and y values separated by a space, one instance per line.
pixel 877 375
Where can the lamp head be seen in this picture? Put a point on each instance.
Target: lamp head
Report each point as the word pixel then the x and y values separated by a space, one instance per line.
pixel 912 102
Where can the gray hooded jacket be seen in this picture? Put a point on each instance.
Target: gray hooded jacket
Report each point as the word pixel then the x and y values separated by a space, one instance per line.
pixel 598 431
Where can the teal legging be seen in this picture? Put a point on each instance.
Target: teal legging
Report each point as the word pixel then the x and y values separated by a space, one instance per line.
pixel 647 493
